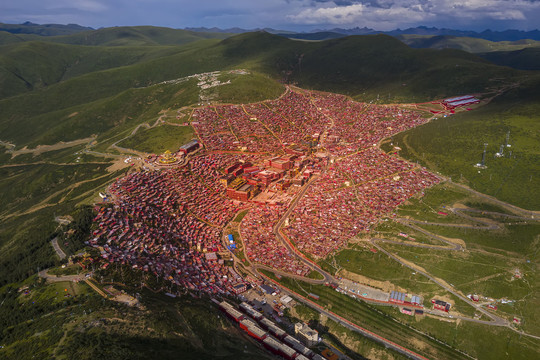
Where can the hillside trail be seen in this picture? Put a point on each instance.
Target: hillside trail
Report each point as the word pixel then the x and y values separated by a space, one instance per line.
pixel 459 211
pixel 53 163
pixel 45 202
pixel 38 150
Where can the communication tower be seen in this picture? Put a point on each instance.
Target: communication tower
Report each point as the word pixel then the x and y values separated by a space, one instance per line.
pixel 501 151
pixel 482 164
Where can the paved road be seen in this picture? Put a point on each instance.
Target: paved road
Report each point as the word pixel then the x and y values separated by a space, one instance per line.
pixel 289 275
pixel 496 321
pixel 277 231
pixel 528 213
pixel 488 225
pixel 519 217
pixel 61 254
pixel 53 278
pixel 461 226
pixel 453 246
pixel 353 327
pixel 424 246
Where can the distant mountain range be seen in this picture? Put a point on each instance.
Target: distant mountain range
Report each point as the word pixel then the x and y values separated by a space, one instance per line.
pixel 506 35
pixel 322 34
pixel 319 34
pixel 44 30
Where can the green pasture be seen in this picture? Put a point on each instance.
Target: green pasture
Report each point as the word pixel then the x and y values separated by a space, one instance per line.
pixel 159 139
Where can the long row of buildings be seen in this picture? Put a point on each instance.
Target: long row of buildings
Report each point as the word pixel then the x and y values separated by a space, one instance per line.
pixel 269 334
pixel 452 103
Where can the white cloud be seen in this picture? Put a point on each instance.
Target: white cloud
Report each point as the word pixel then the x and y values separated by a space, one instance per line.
pixel 393 13
pixel 283 14
pixel 360 14
pixel 81 5
pixel 331 15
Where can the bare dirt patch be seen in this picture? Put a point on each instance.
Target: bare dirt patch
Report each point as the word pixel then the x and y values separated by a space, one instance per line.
pixel 118 164
pixel 455 241
pixel 386 286
pixel 58 146
pixel 418 344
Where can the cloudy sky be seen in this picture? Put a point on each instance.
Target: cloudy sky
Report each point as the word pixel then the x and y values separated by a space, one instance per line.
pixel 299 15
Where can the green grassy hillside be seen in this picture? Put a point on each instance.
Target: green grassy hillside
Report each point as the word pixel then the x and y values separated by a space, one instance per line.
pixel 24 124
pixel 159 139
pixel 371 66
pixel 454 144
pixel 318 36
pixel 98 83
pixel 362 66
pixel 472 45
pixel 135 36
pixel 33 65
pixel 68 320
pixel 30 65
pixel 525 59
pixel 8 38
pixel 367 67
pixel 29 61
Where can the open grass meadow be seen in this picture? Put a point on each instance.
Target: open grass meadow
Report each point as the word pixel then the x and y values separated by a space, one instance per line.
pixel 384 273
pixel 485 274
pixel 31 186
pixel 248 88
pixel 41 64
pixel 382 268
pixel 159 139
pixel 469 44
pixel 525 59
pixel 388 229
pixel 520 240
pixel 435 200
pixel 32 197
pixel 453 145
pixel 479 341
pixel 485 207
pixel 102 117
pixel 25 245
pixel 120 113
pixel 459 268
pixel 486 267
